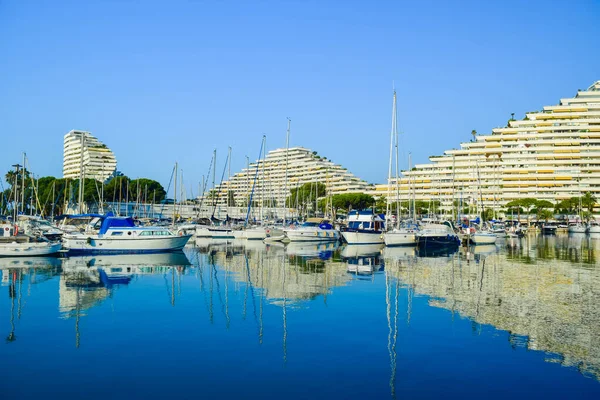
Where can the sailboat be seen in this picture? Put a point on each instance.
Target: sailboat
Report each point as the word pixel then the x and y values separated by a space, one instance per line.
pixel 399 235
pixel 15 244
pixel 578 226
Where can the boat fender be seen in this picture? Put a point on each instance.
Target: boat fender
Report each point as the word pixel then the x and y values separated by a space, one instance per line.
pixel 7 229
pixel 16 230
pixel 180 233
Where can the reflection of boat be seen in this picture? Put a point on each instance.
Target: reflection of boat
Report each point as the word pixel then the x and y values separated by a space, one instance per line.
pixel 323 250
pixel 437 251
pixel 29 262
pixel 350 251
pixel 363 259
pixel 137 261
pixel 399 252
pixel 484 249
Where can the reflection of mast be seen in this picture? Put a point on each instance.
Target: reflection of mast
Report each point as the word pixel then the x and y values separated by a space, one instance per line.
pixel 11 293
pixel 284 315
pixel 20 294
pixel 227 288
pixel 262 285
pixel 77 310
pixel 173 286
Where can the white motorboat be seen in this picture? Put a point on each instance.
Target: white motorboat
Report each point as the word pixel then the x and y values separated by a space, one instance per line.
pixel 121 235
pixel 577 227
pixel 364 227
pixel 436 235
pixel 484 237
pixel 13 244
pixel 313 230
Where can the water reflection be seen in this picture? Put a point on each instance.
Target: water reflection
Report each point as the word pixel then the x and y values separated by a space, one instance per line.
pixel 543 290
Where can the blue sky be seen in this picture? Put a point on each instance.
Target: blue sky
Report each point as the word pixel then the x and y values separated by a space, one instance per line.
pixel 169 81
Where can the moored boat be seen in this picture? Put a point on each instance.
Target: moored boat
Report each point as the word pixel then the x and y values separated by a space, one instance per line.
pixel 437 235
pixel 364 227
pixel 313 230
pixel 121 235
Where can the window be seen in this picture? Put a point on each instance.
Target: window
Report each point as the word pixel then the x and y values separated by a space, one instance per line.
pixel 116 234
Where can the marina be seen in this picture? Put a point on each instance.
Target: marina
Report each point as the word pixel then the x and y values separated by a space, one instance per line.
pixel 307 319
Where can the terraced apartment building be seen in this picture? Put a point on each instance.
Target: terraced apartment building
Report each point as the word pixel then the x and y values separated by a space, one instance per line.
pixel 303 166
pixel 551 154
pixel 98 162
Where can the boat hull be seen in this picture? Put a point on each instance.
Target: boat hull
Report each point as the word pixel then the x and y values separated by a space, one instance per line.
pixel 79 244
pixel 357 237
pixel 483 238
pixel 400 239
pixel 318 235
pixel 437 241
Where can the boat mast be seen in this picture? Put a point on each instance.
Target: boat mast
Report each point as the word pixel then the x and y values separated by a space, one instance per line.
pixel 389 191
pixel 285 185
pixel 175 193
pixel 81 174
pixel 16 194
pixel 397 167
pixel 228 178
pixel 23 186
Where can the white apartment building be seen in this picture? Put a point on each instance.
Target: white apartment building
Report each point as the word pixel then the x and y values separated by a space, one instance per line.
pixel 303 166
pixel 551 154
pixel 99 162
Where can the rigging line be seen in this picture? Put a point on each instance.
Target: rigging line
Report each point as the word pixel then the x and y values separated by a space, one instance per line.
pixel 162 207
pixel 215 196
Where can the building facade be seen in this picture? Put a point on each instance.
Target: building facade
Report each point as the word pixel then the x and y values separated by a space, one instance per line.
pixel 83 149
pixel 303 166
pixel 552 154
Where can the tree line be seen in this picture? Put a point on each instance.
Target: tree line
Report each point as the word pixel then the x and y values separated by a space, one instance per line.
pixel 50 195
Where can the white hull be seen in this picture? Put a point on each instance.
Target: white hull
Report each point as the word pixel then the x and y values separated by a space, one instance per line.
pixel 577 229
pixel 363 238
pixel 133 244
pixel 483 238
pixel 28 249
pixel 399 238
pixel 312 235
pixel 594 229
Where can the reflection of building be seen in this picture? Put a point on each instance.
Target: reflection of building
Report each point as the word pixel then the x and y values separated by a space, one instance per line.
pixel 550 154
pixel 280 277
pixel 551 306
pixel 99 162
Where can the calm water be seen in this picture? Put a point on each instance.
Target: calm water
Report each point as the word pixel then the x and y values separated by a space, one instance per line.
pixel 228 320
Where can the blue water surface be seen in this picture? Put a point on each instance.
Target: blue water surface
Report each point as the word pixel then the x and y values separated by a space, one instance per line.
pixel 229 320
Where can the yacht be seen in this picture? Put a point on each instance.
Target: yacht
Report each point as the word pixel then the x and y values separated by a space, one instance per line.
pixel 121 235
pixel 549 228
pixel 364 227
pixel 437 235
pixel 313 230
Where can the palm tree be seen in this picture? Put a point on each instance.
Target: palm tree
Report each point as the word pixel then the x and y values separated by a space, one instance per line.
pixel 589 201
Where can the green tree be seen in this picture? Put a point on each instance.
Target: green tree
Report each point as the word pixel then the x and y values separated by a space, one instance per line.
pixel 544 214
pixel 589 201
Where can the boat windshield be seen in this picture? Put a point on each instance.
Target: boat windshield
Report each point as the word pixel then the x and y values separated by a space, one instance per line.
pixel 311 224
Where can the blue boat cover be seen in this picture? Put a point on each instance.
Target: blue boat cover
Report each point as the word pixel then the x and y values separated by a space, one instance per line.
pixel 116 222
